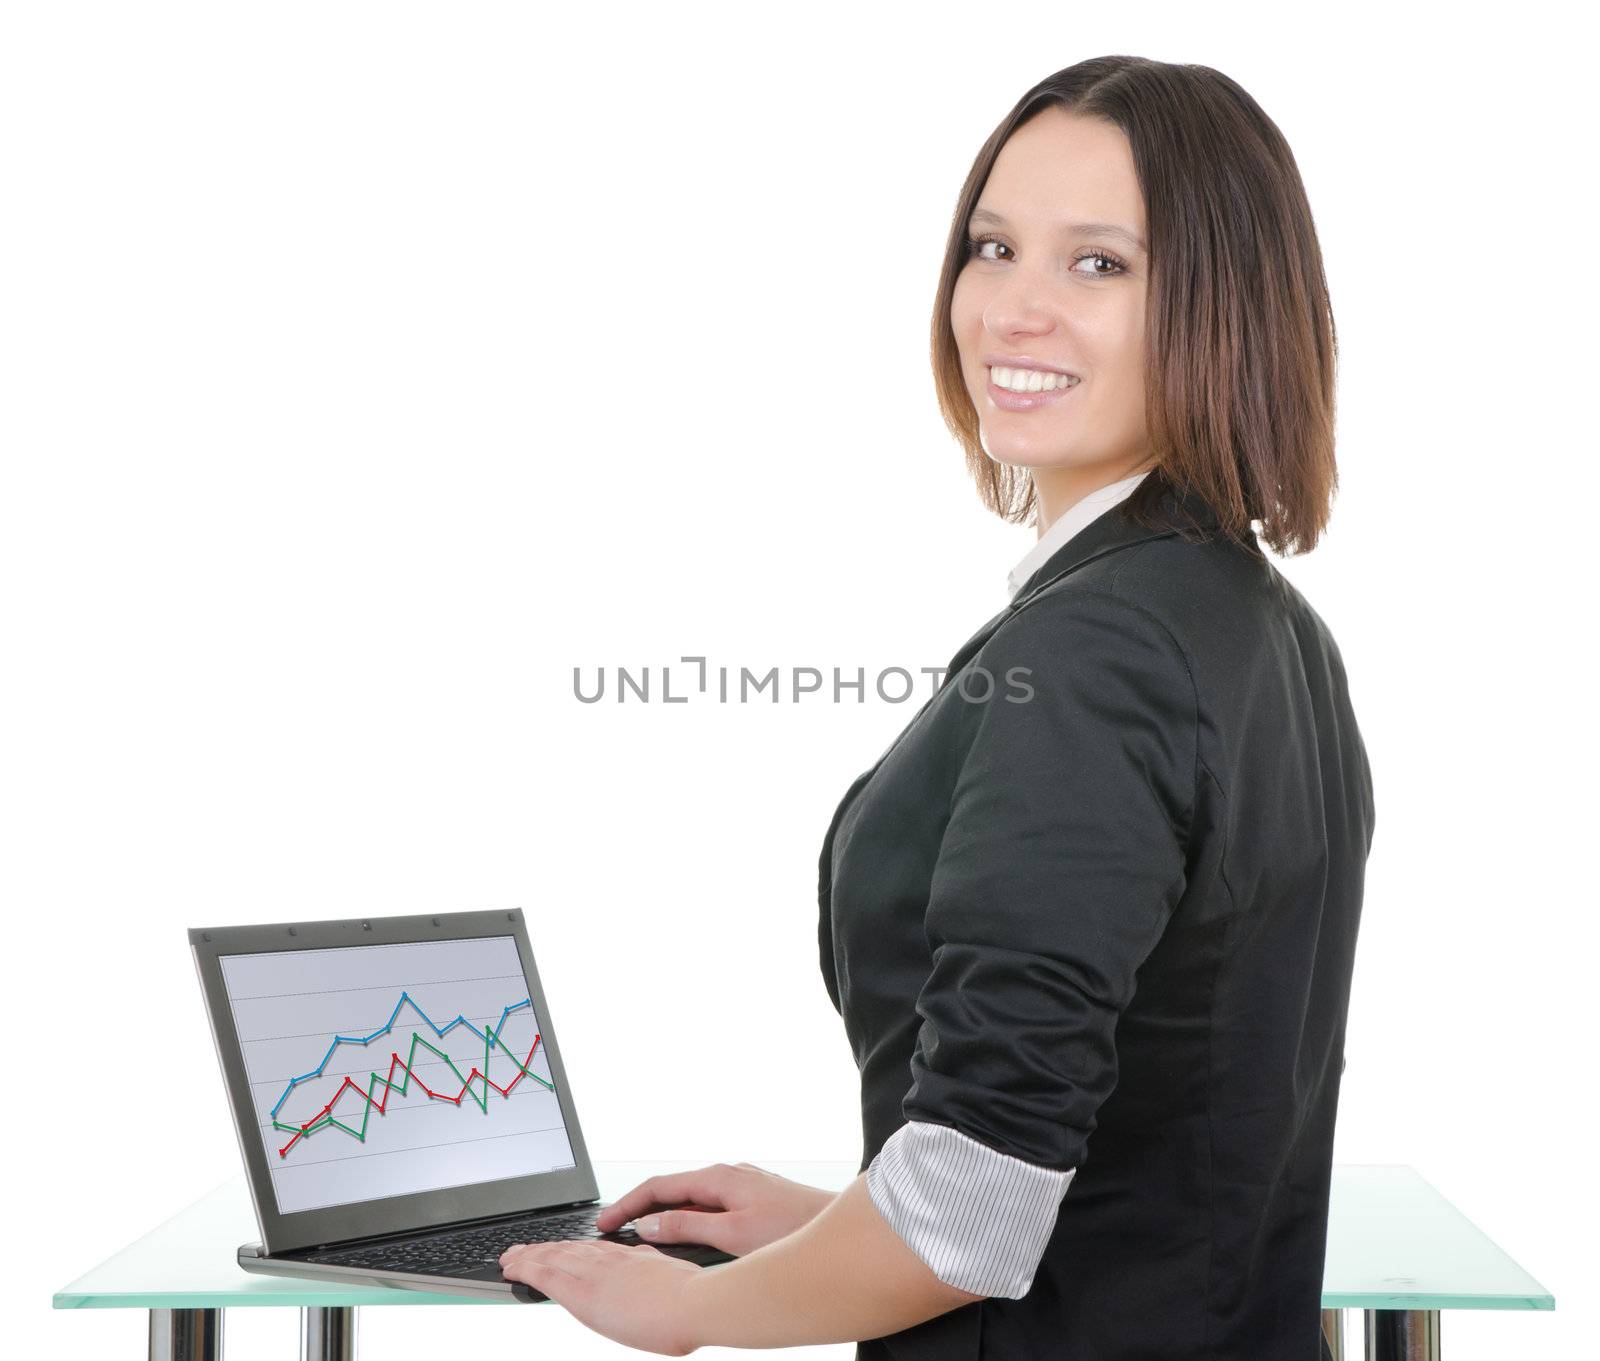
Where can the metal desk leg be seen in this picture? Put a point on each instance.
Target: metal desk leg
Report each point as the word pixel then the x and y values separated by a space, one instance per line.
pixel 328 1334
pixel 1402 1334
pixel 1333 1330
pixel 186 1335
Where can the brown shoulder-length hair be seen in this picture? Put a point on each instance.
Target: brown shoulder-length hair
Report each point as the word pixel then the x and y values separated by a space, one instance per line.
pixel 1240 342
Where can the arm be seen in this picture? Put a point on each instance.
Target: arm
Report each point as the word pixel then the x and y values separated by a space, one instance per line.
pixel 845 1277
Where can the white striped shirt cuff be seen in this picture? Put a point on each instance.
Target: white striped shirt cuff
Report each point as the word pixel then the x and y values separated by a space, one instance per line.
pixel 979 1218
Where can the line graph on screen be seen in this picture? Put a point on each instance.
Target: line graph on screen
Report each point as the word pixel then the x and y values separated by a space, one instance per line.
pixel 387 1069
pixel 370 1101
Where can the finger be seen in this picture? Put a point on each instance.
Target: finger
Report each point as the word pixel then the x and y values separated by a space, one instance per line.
pixel 533 1266
pixel 530 1253
pixel 579 1261
pixel 703 1186
pixel 553 1253
pixel 718 1229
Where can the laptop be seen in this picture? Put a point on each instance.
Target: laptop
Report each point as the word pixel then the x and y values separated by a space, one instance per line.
pixel 400 1100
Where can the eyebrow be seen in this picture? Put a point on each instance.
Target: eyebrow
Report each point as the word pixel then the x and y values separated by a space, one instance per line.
pixel 1081 228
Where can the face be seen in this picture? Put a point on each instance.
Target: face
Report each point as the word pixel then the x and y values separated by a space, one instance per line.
pixel 1052 287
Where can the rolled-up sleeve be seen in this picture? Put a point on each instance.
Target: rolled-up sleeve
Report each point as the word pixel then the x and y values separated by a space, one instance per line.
pixel 1059 868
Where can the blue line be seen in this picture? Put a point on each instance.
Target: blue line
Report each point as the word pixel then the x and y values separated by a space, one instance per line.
pixel 356 1039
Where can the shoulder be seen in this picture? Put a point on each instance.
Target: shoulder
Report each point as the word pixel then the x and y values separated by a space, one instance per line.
pixel 1075 627
pixel 1217 600
pixel 1169 610
pixel 1086 680
pixel 1087 658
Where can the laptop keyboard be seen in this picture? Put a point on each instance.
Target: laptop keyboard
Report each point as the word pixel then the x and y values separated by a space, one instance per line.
pixel 467 1252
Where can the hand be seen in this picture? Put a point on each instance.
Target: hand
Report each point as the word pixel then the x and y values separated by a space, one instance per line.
pixel 737 1209
pixel 633 1295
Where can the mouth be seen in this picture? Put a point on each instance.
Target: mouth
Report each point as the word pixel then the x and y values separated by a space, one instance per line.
pixel 1030 379
pixel 1028 389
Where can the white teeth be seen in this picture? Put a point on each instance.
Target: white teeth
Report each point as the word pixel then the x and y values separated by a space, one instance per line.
pixel 1030 380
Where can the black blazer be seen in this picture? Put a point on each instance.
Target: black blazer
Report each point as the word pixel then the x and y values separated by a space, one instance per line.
pixel 1111 927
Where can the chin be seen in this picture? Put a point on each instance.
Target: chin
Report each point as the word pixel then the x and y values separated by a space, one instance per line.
pixel 1029 458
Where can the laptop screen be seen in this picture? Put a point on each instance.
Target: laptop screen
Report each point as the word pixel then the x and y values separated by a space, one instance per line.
pixel 394 1069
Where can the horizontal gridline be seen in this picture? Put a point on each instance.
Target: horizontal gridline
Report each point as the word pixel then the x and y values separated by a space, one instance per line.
pixel 516 978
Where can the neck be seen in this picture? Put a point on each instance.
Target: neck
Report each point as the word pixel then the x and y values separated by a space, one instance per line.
pixel 1057 490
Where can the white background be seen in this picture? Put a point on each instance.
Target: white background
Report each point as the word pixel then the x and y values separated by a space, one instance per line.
pixel 369 367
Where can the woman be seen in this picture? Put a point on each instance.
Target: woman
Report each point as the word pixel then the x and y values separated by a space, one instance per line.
pixel 1090 920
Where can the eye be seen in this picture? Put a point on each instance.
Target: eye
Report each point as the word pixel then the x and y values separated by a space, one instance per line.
pixel 1117 267
pixel 975 245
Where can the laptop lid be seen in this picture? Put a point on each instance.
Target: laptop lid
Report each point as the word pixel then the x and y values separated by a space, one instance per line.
pixel 389 1074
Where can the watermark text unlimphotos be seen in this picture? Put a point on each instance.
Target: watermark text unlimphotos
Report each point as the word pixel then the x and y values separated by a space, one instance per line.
pixel 692 680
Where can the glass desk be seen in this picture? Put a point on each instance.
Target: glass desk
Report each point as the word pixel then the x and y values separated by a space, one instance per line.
pixel 1397 1250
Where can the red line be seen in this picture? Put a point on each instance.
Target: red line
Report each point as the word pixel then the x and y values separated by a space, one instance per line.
pixel 521 1073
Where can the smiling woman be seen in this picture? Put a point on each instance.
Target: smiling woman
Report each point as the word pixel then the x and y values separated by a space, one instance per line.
pixel 1092 946
pixel 1143 227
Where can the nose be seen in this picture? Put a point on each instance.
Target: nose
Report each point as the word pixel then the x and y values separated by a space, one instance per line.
pixel 1021 305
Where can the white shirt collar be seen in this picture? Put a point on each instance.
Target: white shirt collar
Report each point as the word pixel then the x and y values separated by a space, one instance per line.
pixel 1067 524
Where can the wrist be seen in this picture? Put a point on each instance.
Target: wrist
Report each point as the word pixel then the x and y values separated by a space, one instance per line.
pixel 822 1200
pixel 693 1311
